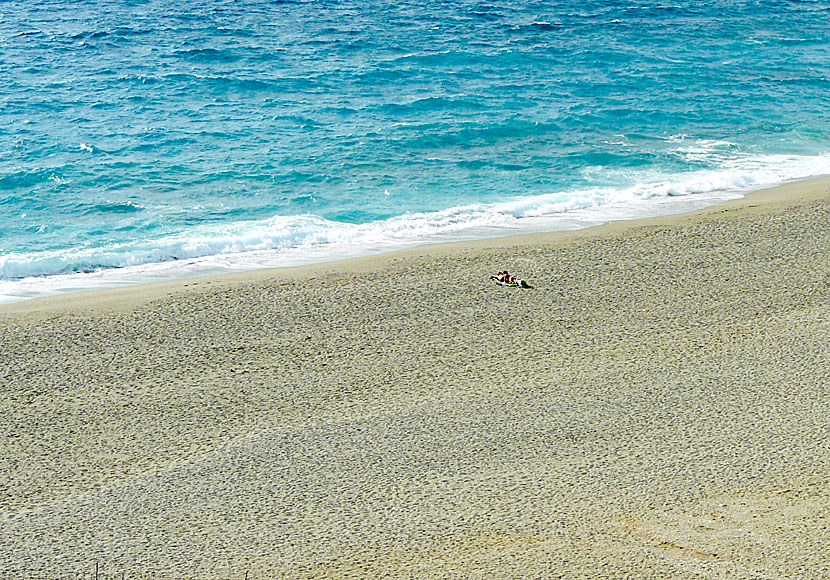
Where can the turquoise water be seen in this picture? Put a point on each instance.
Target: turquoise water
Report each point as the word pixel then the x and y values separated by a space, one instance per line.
pixel 146 139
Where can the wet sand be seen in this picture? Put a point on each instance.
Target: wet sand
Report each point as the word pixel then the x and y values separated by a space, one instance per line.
pixel 656 406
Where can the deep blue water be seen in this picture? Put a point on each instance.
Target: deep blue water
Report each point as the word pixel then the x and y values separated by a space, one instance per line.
pixel 148 138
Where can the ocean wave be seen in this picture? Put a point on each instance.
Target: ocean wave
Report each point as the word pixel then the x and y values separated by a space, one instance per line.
pixel 207 55
pixel 307 233
pixel 427 104
pixel 110 207
pixel 472 133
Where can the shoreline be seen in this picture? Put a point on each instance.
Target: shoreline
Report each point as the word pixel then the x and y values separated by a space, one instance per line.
pixel 133 294
pixel 654 407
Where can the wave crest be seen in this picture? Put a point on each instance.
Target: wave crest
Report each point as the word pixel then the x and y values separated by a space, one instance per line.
pixel 306 234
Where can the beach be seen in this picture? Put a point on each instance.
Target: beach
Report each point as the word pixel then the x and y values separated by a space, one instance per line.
pixel 655 406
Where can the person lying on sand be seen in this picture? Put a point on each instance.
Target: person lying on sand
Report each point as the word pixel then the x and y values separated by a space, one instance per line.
pixel 506 279
pixel 499 276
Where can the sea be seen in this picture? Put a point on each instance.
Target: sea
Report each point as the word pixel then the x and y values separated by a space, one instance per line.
pixel 143 140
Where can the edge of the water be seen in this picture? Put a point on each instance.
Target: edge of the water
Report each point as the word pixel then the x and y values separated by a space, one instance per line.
pixel 129 297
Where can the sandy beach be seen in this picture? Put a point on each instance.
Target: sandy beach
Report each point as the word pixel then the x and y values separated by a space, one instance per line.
pixel 656 406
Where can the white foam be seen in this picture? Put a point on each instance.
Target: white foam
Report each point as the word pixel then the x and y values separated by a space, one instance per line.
pixel 295 240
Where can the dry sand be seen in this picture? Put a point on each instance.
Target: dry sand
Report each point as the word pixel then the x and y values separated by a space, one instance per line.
pixel 655 407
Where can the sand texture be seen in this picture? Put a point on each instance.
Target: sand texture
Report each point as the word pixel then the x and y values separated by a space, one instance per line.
pixel 656 406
